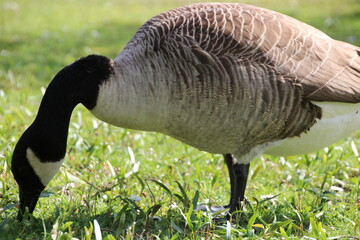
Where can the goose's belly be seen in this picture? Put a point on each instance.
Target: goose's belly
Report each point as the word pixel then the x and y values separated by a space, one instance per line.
pixel 338 121
pixel 209 141
pixel 207 134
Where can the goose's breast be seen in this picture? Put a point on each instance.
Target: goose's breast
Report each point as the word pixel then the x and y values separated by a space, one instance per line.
pixel 338 121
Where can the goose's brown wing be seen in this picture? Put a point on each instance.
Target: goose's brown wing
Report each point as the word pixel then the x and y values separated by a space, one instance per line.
pixel 327 70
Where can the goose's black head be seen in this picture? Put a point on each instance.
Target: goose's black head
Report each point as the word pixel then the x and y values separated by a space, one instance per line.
pixel 40 151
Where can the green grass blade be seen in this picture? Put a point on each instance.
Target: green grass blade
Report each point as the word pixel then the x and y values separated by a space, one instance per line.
pixel 163 186
pixel 186 200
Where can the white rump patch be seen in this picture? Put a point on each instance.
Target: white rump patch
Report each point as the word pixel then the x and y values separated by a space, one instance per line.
pixel 45 170
pixel 338 121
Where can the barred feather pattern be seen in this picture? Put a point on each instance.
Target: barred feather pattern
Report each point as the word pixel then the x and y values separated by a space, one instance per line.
pixel 226 78
pixel 326 68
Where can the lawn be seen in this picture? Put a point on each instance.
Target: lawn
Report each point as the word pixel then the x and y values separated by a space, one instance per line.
pixel 125 184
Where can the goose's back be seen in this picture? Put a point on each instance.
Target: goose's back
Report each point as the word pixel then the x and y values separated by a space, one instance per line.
pixel 327 70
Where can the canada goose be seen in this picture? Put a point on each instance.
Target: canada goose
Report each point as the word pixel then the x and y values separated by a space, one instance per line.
pixel 229 79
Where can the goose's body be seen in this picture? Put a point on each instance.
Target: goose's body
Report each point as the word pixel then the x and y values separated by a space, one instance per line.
pixel 206 74
pixel 231 79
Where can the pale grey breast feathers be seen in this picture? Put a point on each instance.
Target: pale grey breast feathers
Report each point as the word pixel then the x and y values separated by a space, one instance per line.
pixel 327 70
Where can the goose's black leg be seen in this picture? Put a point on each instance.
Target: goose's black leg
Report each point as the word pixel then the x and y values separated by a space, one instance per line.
pixel 228 158
pixel 238 177
pixel 238 174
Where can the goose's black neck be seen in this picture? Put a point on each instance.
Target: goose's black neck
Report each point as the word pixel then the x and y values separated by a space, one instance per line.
pixel 45 140
pixel 76 83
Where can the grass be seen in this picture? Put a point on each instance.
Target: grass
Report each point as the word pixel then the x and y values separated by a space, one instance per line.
pixel 125 184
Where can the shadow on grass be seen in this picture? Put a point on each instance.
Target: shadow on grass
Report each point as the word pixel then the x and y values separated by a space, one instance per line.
pixel 130 219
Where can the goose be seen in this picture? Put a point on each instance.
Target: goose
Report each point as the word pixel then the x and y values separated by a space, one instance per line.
pixel 225 78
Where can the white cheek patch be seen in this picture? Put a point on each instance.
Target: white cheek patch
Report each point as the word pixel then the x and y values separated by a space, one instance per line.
pixel 45 170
